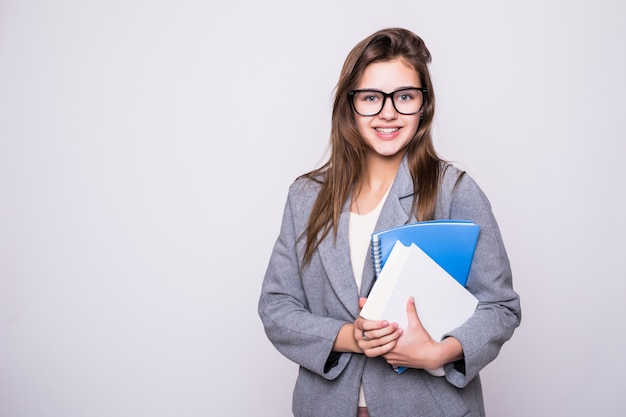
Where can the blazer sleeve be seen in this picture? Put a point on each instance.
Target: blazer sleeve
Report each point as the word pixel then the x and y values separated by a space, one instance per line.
pixel 498 313
pixel 303 337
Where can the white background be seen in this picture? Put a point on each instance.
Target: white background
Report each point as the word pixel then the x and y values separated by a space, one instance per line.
pixel 146 148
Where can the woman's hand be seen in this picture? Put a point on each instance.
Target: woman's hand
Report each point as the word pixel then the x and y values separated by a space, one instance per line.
pixel 416 349
pixel 375 337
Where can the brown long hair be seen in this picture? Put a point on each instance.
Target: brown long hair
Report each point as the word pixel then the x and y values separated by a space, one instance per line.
pixel 347 148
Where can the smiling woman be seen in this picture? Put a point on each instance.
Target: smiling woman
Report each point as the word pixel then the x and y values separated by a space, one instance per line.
pixel 383 171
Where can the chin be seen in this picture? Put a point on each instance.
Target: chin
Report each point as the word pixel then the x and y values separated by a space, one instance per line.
pixel 389 155
pixel 390 152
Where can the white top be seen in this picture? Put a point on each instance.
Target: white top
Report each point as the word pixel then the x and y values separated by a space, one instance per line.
pixel 360 229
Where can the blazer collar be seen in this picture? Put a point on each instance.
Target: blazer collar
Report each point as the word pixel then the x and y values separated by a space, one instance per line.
pixel 335 256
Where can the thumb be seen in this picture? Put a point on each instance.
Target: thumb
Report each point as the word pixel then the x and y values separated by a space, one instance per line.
pixel 411 312
pixel 362 301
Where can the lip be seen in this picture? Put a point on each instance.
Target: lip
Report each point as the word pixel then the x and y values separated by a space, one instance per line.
pixel 387 132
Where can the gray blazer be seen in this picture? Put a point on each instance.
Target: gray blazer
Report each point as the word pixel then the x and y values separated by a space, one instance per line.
pixel 302 310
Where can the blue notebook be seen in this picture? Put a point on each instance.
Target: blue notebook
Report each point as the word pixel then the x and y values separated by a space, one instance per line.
pixel 450 243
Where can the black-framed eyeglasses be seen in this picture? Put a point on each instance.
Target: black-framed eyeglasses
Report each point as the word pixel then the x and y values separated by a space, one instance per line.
pixel 370 102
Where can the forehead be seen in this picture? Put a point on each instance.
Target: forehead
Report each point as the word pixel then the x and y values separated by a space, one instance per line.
pixel 388 76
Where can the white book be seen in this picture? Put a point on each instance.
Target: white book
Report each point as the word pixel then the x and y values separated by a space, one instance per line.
pixel 442 303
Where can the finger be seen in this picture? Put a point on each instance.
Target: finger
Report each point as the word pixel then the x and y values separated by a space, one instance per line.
pixel 362 301
pixel 380 350
pixel 410 306
pixel 381 332
pixel 411 311
pixel 373 338
pixel 365 324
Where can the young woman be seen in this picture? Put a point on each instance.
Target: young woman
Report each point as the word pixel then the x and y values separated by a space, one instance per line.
pixel 382 172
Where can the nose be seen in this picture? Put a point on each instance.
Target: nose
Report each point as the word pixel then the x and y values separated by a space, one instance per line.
pixel 388 111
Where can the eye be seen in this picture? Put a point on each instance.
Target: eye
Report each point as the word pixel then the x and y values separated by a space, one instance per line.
pixel 405 96
pixel 372 98
pixel 367 97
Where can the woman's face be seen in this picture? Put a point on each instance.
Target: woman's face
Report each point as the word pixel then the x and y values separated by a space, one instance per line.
pixel 388 133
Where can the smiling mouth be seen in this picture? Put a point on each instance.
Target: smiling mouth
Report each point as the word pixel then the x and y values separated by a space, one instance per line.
pixel 387 130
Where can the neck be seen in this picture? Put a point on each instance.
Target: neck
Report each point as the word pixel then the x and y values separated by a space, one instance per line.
pixel 377 176
pixel 379 171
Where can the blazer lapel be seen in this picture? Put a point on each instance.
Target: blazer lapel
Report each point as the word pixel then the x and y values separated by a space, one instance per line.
pixel 395 212
pixel 335 258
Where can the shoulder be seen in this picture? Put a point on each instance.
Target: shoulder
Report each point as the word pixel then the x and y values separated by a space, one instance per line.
pixel 458 188
pixel 302 195
pixel 305 187
pixel 455 180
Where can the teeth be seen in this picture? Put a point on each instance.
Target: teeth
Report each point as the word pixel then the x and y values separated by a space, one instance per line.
pixel 386 130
